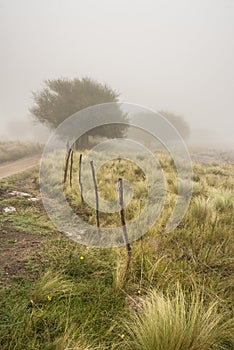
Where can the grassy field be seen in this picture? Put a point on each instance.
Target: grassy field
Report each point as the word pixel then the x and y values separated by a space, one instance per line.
pixel 14 150
pixel 176 295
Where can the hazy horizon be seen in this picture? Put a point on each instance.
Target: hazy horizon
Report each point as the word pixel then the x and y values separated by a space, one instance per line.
pixel 166 55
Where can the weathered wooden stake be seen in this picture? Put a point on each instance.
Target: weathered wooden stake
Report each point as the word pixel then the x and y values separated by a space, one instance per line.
pixel 79 178
pixel 71 167
pixel 66 165
pixel 96 195
pixel 125 233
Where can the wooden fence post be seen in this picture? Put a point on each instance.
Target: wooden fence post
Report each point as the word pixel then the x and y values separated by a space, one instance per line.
pixel 71 167
pixel 66 165
pixel 96 195
pixel 125 233
pixel 79 178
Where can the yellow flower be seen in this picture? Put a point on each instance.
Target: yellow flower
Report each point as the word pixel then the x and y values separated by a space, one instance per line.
pixel 49 297
pixel 122 335
pixel 81 257
pixel 139 291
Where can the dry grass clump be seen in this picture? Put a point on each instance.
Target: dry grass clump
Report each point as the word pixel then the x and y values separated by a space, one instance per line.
pixel 51 285
pixel 175 323
pixel 224 201
pixel 72 340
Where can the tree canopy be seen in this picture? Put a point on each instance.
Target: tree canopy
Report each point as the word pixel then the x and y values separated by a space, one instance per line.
pixel 178 122
pixel 148 139
pixel 60 98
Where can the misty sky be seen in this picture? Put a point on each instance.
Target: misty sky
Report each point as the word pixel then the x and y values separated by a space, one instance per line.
pixel 176 55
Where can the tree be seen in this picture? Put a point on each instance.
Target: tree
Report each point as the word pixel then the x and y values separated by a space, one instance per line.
pixel 150 123
pixel 60 98
pixel 178 122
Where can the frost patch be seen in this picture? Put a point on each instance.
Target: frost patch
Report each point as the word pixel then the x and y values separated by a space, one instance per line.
pixel 9 209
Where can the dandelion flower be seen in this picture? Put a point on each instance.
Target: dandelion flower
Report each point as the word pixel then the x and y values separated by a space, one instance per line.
pixel 49 297
pixel 122 336
pixel 81 257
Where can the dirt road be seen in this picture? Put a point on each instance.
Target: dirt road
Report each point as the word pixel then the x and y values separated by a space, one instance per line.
pixel 18 166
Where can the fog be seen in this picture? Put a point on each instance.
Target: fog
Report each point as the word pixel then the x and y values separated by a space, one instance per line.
pixel 174 55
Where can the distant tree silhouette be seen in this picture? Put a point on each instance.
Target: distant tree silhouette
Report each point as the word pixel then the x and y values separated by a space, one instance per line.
pixel 178 122
pixel 60 98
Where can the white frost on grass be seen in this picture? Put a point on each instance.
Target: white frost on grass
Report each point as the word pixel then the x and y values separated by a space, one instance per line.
pixel 24 194
pixel 9 209
pixel 33 199
pixel 21 194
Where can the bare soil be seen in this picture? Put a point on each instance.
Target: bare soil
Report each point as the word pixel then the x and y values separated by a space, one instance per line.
pixel 21 253
pixel 18 166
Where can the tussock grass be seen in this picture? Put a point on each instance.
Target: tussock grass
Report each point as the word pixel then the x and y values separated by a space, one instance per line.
pixel 172 323
pixel 51 285
pixel 201 211
pixel 70 341
pixel 224 201
pixel 119 274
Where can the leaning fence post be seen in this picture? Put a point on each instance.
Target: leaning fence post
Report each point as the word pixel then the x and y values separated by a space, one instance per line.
pixel 125 233
pixel 71 167
pixel 66 165
pixel 96 195
pixel 79 178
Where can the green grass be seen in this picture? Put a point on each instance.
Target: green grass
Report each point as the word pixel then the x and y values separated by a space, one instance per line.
pixel 177 294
